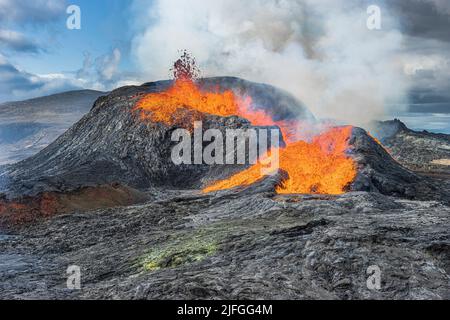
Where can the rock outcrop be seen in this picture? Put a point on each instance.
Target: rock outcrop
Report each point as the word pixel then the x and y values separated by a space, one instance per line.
pixel 425 152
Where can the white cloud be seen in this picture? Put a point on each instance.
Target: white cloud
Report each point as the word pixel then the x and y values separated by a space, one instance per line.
pixel 18 13
pixel 26 11
pixel 16 84
pixel 107 65
pixel 102 73
pixel 428 72
pixel 414 63
pixel 17 41
pixel 320 50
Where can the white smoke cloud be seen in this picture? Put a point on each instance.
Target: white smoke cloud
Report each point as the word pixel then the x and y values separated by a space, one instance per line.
pixel 107 65
pixel 319 50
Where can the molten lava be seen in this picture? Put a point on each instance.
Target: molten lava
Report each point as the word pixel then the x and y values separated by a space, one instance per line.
pixel 165 107
pixel 320 166
pixel 184 94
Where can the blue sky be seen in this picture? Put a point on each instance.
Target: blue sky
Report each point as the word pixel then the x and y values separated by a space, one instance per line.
pixel 105 25
pixel 39 55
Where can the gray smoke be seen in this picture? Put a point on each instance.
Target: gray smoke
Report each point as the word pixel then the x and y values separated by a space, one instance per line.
pixel 319 50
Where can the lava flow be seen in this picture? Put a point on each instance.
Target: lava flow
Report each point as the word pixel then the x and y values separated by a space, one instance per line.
pixel 320 166
pixel 184 94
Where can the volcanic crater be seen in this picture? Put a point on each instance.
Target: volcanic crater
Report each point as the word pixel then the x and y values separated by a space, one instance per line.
pixel 108 190
pixel 118 146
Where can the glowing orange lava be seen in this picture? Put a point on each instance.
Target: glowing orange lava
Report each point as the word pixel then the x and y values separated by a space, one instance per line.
pixel 320 166
pixel 184 94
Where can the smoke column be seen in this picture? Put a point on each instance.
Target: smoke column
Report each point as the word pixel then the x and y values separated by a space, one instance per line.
pixel 319 50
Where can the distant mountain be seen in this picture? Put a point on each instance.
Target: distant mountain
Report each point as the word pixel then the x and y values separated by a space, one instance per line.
pixel 420 151
pixel 26 127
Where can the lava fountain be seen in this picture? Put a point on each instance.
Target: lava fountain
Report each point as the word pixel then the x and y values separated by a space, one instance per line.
pixel 318 166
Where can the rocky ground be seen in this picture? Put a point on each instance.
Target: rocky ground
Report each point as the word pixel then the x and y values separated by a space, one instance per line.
pixel 245 245
pixel 97 198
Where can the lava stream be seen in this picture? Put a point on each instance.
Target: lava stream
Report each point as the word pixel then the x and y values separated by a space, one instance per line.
pixel 320 166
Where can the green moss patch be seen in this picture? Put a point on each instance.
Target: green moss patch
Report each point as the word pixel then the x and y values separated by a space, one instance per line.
pixel 187 247
pixel 180 252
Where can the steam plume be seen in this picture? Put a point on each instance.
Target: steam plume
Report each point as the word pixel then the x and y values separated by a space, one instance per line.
pixel 319 50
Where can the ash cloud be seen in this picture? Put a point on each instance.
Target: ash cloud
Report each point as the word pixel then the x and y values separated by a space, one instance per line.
pixel 321 51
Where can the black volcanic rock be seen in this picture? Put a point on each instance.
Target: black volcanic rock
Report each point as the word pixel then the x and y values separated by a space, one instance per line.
pixel 379 172
pixel 232 246
pixel 425 152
